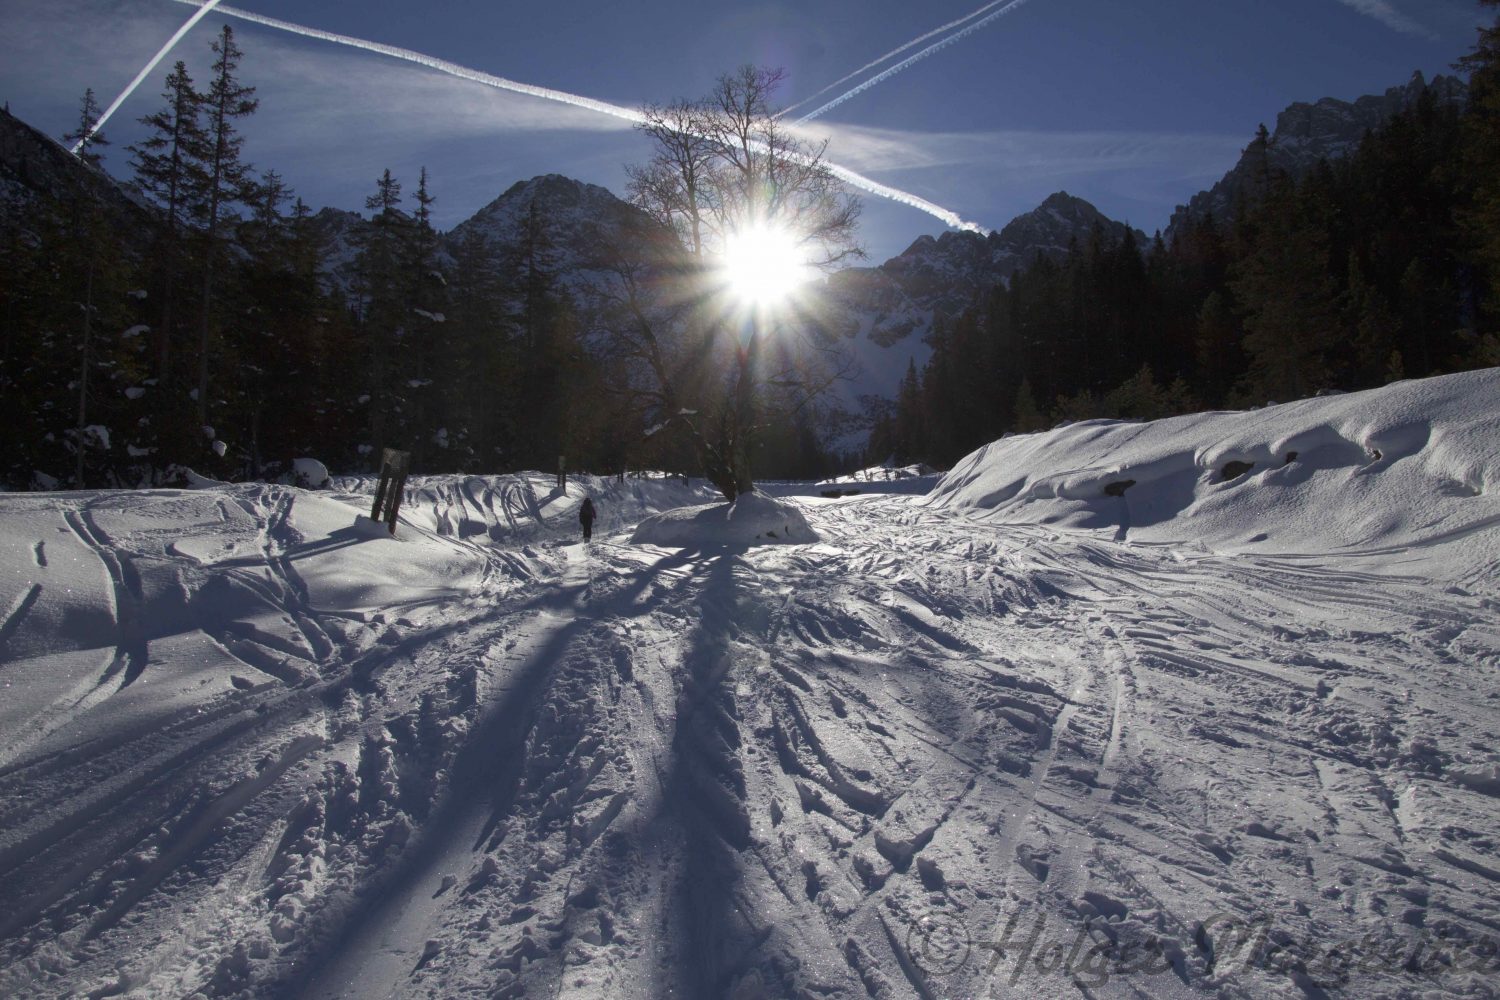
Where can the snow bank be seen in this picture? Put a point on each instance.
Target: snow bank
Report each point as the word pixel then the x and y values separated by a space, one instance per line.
pixel 753 519
pixel 1410 471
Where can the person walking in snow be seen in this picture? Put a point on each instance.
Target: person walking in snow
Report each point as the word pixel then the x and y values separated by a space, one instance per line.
pixel 586 518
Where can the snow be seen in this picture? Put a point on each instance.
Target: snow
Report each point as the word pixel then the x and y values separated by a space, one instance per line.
pixel 96 436
pixel 310 473
pixel 1409 473
pixel 753 519
pixel 1015 737
pixel 887 478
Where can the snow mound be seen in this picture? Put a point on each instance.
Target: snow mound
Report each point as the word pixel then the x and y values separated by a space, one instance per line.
pixel 1410 471
pixel 753 519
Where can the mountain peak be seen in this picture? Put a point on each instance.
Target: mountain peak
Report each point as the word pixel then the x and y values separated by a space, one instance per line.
pixel 1051 227
pixel 553 189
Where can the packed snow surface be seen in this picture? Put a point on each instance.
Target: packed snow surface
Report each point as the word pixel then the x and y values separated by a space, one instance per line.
pixel 1023 737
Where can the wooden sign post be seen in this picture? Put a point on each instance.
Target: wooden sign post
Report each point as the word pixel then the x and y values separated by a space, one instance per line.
pixel 394 466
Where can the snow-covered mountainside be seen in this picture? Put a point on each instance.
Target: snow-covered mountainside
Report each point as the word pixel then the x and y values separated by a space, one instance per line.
pixel 574 222
pixel 1019 737
pixel 1306 133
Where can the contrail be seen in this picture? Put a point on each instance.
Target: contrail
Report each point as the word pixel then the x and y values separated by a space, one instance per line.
pixel 130 89
pixel 441 65
pixel 880 190
pixel 846 175
pixel 959 35
pixel 894 52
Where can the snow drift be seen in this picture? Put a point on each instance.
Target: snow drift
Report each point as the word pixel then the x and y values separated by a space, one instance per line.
pixel 1410 471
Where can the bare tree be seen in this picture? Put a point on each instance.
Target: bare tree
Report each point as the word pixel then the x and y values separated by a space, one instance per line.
pixel 725 165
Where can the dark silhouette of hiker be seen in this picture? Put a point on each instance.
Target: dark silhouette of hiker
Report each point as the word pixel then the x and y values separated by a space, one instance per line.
pixel 586 518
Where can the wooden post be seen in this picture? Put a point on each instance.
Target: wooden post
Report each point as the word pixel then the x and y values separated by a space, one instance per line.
pixel 379 496
pixel 394 465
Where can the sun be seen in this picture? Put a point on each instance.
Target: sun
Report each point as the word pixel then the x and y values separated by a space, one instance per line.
pixel 764 265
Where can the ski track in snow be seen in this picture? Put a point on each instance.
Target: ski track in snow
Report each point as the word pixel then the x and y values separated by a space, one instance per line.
pixel 869 767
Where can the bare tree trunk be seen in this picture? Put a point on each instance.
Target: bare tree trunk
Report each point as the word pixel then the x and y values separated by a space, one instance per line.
pixel 743 429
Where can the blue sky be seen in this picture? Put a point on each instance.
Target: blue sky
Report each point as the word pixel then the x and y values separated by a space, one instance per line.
pixel 1132 105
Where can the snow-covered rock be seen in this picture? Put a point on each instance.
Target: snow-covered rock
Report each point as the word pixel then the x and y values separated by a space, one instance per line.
pixel 310 473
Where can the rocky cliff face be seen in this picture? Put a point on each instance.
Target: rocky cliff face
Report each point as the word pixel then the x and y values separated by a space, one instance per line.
pixel 1306 133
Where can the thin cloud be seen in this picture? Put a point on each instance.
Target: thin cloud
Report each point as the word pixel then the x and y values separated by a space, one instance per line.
pixel 322 93
pixel 1029 152
pixel 1386 13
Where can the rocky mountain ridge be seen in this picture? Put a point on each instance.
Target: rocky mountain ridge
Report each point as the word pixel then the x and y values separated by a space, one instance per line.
pixel 900 298
pixel 1306 133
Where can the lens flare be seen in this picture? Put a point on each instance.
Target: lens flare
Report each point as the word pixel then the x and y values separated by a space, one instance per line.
pixel 763 265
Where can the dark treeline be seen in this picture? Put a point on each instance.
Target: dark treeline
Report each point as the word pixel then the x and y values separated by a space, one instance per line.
pixel 216 330
pixel 1380 266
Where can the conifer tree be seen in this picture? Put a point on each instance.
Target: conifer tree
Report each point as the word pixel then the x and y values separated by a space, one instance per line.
pixel 1284 286
pixel 84 135
pixel 427 323
pixel 381 305
pixel 1028 416
pixel 1372 326
pixel 168 168
pixel 228 181
pixel 482 351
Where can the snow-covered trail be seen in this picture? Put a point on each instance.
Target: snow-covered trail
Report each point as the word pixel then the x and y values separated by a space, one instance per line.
pixel 388 938
pixel 934 755
pixel 881 765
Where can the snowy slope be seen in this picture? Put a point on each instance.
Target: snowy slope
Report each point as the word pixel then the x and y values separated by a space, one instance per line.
pixel 1408 475
pixel 973 744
